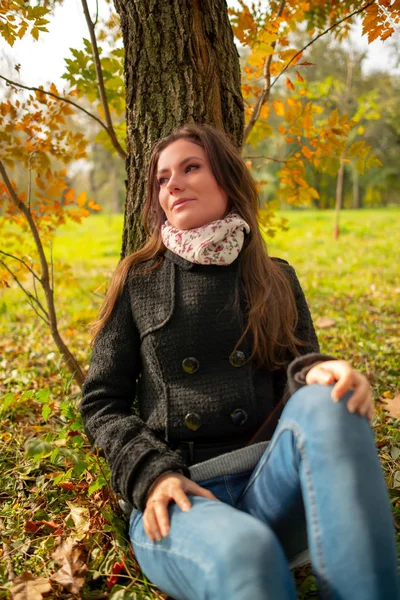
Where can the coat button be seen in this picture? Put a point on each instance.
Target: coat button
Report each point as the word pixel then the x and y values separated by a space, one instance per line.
pixel 237 358
pixel 190 365
pixel 192 421
pixel 239 416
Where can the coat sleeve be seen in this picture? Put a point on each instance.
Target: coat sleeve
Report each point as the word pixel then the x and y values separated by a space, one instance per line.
pixel 309 353
pixel 136 456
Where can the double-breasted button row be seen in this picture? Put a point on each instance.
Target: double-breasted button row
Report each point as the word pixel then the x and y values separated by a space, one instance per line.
pixel 239 416
pixel 193 420
pixel 190 364
pixel 237 358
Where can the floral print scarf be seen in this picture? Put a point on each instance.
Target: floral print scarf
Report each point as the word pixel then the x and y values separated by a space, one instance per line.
pixel 216 243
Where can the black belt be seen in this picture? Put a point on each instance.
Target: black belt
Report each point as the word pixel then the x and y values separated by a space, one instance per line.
pixel 196 452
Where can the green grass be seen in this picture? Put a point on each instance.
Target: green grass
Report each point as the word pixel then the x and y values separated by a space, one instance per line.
pixel 352 281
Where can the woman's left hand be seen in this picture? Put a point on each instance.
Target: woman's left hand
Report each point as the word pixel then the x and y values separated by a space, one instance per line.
pixel 346 378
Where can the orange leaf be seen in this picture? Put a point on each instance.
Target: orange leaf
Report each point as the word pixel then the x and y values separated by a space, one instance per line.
pixel 92 204
pixel 264 112
pixel 116 570
pixel 81 199
pixel 299 77
pixel 67 485
pixel 306 64
pixel 31 527
pixel 307 152
pixel 69 196
pixel 289 84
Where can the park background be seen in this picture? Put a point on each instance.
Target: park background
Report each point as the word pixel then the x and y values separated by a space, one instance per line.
pixel 334 216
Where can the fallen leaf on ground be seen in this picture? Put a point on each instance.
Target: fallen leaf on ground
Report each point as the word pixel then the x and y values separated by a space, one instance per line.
pixel 28 587
pixel 81 517
pixel 323 322
pixel 35 526
pixel 116 570
pixel 393 406
pixel 73 570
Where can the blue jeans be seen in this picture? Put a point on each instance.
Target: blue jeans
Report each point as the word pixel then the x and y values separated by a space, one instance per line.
pixel 319 484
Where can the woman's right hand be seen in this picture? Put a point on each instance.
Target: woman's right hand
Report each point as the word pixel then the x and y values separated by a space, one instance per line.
pixel 168 486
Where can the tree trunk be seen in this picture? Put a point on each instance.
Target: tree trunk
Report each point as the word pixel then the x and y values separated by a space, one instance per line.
pixel 339 182
pixel 181 66
pixel 114 209
pixel 339 195
pixel 356 189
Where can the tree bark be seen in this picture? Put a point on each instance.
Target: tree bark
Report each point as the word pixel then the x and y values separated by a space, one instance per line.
pixel 340 176
pixel 356 189
pixel 181 66
pixel 338 204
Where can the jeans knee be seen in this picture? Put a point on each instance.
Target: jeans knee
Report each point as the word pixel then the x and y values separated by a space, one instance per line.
pixel 313 406
pixel 250 548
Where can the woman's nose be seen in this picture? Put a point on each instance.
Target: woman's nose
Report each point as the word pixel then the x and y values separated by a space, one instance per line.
pixel 174 183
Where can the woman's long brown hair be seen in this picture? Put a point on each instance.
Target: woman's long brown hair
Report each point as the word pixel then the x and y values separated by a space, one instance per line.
pixel 271 313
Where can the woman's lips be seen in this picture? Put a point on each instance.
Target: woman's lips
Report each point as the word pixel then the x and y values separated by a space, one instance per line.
pixel 181 203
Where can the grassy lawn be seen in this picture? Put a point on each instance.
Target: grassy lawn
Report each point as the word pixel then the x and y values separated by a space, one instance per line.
pixel 53 488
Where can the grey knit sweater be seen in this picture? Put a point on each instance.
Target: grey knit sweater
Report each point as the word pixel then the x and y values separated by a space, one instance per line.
pixel 167 350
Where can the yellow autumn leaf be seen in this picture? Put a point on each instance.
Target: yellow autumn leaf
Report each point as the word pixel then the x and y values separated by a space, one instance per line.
pixel 69 196
pixel 267 38
pixel 265 49
pixel 307 152
pixel 260 131
pixel 81 199
pixel 279 108
pixel 255 60
pixel 264 112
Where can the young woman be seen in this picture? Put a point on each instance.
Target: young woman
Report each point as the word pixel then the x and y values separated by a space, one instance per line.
pixel 215 340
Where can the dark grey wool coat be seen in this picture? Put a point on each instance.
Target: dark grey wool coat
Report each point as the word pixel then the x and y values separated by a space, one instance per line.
pixel 169 342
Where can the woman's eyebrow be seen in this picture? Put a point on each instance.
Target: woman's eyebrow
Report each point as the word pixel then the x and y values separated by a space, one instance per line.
pixel 185 160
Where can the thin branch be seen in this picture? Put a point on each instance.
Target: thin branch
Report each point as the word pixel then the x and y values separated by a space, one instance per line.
pixel 74 367
pixel 267 85
pixel 30 177
pixel 34 287
pixel 51 265
pixel 28 215
pixel 21 261
pixel 67 100
pixel 278 160
pixel 267 88
pixel 97 13
pixel 30 297
pixel 356 12
pixel 100 82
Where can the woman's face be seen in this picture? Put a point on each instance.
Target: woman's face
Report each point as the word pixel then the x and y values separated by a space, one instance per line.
pixel 189 193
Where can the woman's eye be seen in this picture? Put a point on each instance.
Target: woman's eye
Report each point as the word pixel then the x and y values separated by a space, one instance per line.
pixel 160 181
